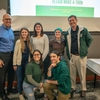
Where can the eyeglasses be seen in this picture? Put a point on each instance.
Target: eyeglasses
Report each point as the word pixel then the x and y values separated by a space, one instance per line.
pixel 36 54
pixel 7 19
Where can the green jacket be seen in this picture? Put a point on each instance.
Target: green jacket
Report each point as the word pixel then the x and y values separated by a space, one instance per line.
pixel 84 41
pixel 61 73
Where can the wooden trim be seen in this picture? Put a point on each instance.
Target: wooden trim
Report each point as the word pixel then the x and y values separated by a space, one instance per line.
pixel 88 78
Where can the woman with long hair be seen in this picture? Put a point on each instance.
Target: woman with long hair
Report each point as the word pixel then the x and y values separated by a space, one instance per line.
pixel 22 53
pixel 40 40
pixel 33 75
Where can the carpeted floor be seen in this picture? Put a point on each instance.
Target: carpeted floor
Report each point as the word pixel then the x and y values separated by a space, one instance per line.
pixel 91 94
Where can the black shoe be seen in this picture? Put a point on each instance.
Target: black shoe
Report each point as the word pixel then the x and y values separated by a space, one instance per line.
pixel 83 94
pixel 14 91
pixel 4 97
pixel 55 98
pixel 72 93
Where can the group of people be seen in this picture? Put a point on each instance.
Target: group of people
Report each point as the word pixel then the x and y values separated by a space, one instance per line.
pixel 28 57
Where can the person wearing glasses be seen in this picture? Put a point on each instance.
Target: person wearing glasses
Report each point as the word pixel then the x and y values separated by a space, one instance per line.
pixel 6 56
pixel 22 53
pixel 34 76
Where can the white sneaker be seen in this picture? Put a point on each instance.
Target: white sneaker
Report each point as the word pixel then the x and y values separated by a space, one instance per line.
pixel 21 97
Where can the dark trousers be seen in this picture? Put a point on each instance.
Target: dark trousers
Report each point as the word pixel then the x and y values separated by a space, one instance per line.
pixel 20 76
pixel 10 72
pixel 46 65
pixel 7 68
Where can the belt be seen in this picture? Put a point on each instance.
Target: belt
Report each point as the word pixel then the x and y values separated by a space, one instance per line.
pixel 76 54
pixel 7 52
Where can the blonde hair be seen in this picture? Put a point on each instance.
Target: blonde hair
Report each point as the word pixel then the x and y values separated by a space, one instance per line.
pixel 27 39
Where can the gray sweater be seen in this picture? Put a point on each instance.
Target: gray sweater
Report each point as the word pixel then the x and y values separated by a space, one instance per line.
pixel 41 44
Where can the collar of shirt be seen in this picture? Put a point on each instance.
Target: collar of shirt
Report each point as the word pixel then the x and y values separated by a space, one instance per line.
pixel 75 30
pixel 6 27
pixel 62 40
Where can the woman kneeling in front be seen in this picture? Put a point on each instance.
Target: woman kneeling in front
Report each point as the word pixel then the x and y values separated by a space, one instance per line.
pixel 58 78
pixel 33 75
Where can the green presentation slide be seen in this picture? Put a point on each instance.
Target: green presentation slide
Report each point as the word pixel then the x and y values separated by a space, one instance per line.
pixel 64 11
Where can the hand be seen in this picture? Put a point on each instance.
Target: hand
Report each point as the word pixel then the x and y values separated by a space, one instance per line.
pixel 53 65
pixel 48 81
pixel 41 84
pixel 15 68
pixel 1 63
pixel 41 90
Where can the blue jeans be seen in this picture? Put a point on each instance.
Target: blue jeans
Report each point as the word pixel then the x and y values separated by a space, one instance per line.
pixel 28 90
pixel 20 77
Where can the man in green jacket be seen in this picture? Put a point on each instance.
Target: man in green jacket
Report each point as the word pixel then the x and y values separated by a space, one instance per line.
pixel 78 40
pixel 58 78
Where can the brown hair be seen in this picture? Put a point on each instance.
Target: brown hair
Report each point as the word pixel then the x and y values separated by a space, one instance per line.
pixel 35 33
pixel 28 40
pixel 41 61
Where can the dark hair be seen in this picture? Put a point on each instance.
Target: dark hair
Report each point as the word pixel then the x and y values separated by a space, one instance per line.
pixel 56 52
pixel 41 61
pixel 72 16
pixel 35 33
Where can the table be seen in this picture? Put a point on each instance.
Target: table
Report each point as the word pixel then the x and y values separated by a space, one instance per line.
pixel 94 66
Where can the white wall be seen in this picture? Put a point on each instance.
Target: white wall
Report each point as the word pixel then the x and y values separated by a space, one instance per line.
pixel 50 23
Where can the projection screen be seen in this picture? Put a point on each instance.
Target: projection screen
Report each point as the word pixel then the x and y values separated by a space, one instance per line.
pixel 54 13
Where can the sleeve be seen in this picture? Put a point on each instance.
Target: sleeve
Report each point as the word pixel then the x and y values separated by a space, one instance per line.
pixel 89 38
pixel 46 47
pixel 28 72
pixel 63 74
pixel 31 80
pixel 42 78
pixel 15 53
pixel 51 77
pixel 31 41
